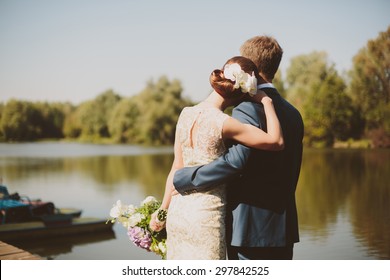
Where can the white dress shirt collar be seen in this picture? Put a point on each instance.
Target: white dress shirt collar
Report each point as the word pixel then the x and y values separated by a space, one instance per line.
pixel 265 85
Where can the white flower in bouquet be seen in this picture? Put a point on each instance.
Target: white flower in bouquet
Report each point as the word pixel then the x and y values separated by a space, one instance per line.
pixel 149 200
pixel 117 209
pixel 162 247
pixel 121 213
pixel 136 221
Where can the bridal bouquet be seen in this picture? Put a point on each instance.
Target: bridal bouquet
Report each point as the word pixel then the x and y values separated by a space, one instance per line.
pixel 136 221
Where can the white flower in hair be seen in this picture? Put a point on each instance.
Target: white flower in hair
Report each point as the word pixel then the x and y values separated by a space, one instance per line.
pixel 250 85
pixel 247 83
pixel 231 71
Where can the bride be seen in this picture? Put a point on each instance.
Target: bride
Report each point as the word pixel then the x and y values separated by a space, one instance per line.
pixel 195 222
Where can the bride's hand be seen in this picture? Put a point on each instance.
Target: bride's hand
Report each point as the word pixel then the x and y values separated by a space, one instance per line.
pixel 155 224
pixel 260 97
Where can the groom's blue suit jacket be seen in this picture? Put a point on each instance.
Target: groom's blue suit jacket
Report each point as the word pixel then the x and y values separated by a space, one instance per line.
pixel 261 184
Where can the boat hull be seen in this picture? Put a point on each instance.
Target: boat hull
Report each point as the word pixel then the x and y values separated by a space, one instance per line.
pixel 38 229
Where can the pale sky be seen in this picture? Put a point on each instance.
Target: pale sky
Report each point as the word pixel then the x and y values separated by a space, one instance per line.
pixel 73 50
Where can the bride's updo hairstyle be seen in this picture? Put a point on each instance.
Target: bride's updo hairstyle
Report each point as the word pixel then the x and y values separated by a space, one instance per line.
pixel 226 87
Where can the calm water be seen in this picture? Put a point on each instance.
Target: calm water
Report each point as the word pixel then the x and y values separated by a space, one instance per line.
pixel 343 196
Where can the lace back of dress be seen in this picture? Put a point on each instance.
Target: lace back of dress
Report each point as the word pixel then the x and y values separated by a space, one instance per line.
pixel 200 135
pixel 193 132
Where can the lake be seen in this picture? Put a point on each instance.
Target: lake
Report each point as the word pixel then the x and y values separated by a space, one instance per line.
pixel 343 196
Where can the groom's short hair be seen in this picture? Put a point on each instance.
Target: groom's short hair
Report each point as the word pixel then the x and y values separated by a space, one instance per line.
pixel 265 52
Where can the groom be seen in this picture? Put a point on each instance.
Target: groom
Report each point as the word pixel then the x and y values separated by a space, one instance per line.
pixel 262 218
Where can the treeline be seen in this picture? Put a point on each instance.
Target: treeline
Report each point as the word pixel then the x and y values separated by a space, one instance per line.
pixel 147 118
pixel 348 107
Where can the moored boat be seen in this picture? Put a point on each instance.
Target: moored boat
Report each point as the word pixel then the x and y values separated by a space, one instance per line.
pixel 40 229
pixel 22 218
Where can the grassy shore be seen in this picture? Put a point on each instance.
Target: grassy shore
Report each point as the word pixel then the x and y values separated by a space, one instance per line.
pixel 353 144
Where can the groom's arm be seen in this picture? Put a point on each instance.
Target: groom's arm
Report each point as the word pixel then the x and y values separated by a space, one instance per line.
pixel 196 178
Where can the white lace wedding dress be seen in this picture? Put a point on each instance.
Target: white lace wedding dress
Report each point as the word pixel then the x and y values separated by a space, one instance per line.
pixel 196 222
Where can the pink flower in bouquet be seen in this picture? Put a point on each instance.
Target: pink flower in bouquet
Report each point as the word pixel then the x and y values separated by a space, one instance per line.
pixel 140 237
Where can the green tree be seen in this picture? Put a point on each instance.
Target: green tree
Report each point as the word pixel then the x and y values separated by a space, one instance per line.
pixel 1 116
pixel 320 94
pixel 370 87
pixel 160 104
pixel 72 126
pixel 123 126
pixel 52 119
pixel 151 116
pixel 279 83
pixel 21 121
pixel 303 72
pixel 92 117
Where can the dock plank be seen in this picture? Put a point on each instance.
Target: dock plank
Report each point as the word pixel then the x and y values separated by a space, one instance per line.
pixel 9 252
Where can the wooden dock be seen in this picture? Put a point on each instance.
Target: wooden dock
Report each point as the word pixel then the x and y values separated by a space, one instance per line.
pixel 9 252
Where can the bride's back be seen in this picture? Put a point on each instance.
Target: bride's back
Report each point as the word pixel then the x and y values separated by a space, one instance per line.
pixel 199 131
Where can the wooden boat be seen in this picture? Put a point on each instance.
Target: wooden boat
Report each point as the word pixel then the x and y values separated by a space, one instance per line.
pixel 63 225
pixel 22 218
pixel 75 213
